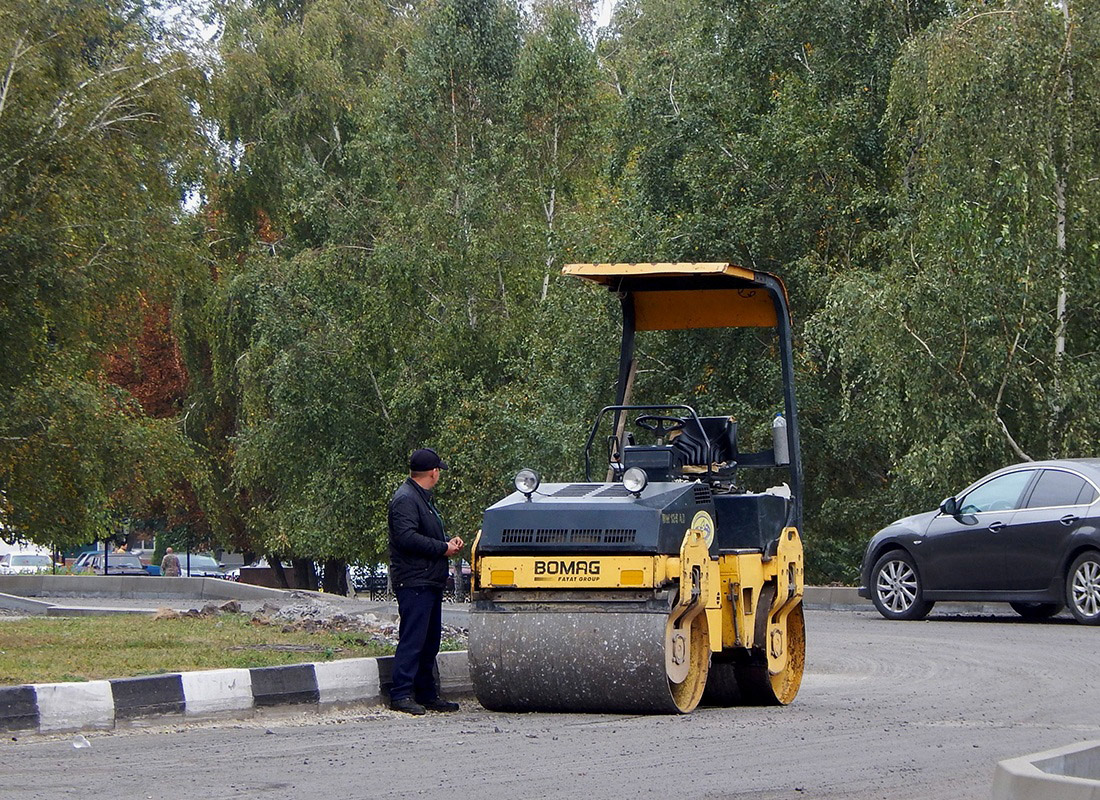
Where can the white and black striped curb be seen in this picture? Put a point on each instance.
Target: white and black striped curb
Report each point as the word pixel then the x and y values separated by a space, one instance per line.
pixel 106 704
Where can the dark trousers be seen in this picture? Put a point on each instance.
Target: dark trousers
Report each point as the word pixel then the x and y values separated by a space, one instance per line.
pixel 414 675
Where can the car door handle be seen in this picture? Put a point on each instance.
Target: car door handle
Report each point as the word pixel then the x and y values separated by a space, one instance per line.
pixel 1068 520
pixel 995 527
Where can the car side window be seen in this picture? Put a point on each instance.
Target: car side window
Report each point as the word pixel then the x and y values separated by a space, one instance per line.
pixel 1087 495
pixel 1000 494
pixel 1056 488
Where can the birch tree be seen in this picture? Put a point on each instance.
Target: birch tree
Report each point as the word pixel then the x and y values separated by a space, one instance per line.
pixel 98 143
pixel 975 345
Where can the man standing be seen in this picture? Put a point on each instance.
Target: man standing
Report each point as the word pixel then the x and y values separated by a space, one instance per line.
pixel 170 564
pixel 419 550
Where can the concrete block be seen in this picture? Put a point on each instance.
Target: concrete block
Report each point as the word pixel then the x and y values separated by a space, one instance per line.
pixel 147 696
pixel 352 680
pixel 94 611
pixel 24 605
pixel 220 589
pixel 136 586
pixel 75 706
pixel 834 597
pixel 22 585
pixel 1067 773
pixel 18 708
pixel 273 686
pixel 454 673
pixel 216 691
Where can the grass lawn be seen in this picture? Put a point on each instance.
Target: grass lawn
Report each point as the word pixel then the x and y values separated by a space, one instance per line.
pixel 54 649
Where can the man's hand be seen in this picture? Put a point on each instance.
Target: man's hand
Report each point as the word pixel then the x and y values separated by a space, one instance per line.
pixel 454 546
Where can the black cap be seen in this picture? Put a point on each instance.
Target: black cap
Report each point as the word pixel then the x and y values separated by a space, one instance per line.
pixel 424 460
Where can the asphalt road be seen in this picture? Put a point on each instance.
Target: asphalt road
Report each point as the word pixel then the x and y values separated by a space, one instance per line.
pixel 887 710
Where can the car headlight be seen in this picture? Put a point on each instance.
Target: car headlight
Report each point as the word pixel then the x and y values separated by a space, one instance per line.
pixel 635 480
pixel 527 481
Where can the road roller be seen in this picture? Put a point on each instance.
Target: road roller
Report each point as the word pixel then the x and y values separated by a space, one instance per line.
pixel 665 580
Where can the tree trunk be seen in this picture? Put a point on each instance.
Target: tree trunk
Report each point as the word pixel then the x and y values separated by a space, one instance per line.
pixel 306 572
pixel 1055 434
pixel 335 579
pixel 278 571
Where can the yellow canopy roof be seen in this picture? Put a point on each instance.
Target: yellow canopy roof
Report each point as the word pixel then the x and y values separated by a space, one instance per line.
pixel 682 296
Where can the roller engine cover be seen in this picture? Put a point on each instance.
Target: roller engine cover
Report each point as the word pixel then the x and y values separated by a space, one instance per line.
pixel 572 518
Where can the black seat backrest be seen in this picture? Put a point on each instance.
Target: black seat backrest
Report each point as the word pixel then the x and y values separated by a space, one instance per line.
pixel 692 444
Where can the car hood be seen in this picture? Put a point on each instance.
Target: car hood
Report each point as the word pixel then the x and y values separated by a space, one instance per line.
pixel 917 523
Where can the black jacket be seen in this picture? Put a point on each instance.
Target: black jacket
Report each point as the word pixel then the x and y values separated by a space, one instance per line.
pixel 418 545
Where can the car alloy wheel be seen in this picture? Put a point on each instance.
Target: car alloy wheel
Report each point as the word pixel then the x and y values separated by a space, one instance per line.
pixel 1083 588
pixel 897 587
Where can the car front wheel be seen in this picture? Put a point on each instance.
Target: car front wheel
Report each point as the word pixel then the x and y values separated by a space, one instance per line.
pixel 896 587
pixel 1083 588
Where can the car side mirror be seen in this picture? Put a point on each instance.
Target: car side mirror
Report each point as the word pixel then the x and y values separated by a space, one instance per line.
pixel 950 507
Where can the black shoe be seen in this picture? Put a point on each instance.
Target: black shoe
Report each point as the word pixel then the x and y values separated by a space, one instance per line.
pixel 439 704
pixel 408 706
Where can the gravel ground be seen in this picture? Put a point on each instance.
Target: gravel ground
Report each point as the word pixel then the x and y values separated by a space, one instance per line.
pixel 888 710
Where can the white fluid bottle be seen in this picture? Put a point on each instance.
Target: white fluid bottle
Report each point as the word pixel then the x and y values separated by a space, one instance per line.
pixel 780 445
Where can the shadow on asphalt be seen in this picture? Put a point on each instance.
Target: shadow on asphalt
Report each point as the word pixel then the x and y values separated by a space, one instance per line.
pixel 1011 619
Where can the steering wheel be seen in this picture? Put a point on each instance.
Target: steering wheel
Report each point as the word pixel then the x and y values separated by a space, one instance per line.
pixel 656 424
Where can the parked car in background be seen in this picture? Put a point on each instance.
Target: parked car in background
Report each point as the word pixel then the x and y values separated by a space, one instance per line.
pixel 1027 535
pixel 235 573
pixel 200 565
pixel 261 563
pixel 83 561
pixel 116 564
pixel 368 580
pixel 24 563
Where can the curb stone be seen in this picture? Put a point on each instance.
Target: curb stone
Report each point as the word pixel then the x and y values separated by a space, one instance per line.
pixel 207 694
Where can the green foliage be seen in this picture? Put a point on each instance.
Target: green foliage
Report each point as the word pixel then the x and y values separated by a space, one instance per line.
pixel 955 357
pixel 98 142
pixel 416 315
pixel 393 192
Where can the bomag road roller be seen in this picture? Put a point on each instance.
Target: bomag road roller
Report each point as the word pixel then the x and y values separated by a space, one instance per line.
pixel 667 582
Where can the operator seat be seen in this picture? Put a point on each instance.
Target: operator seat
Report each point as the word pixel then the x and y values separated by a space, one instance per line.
pixel 691 443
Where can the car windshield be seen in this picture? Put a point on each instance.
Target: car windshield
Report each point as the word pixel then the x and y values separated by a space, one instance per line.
pixel 197 561
pixel 123 560
pixel 30 561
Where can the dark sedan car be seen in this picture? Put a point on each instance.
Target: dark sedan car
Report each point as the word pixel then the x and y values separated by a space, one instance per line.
pixel 117 564
pixel 1028 535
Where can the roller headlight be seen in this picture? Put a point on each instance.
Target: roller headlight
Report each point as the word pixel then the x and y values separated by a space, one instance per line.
pixel 635 480
pixel 527 481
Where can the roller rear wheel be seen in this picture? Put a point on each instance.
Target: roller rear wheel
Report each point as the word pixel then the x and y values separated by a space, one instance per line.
pixel 722 688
